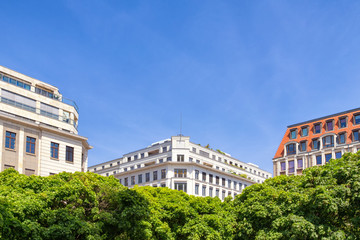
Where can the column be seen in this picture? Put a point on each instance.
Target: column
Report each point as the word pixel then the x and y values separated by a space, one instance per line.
pixel 21 151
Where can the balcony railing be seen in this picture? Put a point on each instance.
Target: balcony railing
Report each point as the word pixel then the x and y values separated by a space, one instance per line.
pixel 38 111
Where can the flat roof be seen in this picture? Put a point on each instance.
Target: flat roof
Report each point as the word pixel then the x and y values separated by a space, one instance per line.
pixel 329 116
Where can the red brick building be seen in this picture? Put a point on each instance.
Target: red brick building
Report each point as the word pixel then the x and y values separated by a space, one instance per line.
pixel 317 141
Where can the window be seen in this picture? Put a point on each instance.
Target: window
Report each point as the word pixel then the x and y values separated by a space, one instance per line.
pixel 55 150
pixel 70 154
pixel 168 159
pixel 235 185
pixel 135 157
pixel 15 82
pixel 291 167
pixel 318 160
pixel 197 189
pixel 163 185
pixel 10 140
pixel 180 173
pixel 132 180
pixel 338 155
pixel 357 119
pixel 204 176
pixel 330 125
pixel 328 157
pixel 196 174
pixel 140 178
pixel 328 141
pixel 299 163
pixel 210 178
pixel 107 174
pixel 126 181
pixel 217 180
pixel 194 149
pixel 291 149
pixel 155 175
pixel 210 191
pixel 303 146
pixel 138 166
pixel 114 172
pixel 147 177
pixel 223 182
pixel 110 164
pixel 180 158
pixel 102 167
pixel 180 186
pixel 240 186
pixel 283 166
pixel 163 173
pixel 317 128
pixel 293 134
pixel 356 135
pixel 229 183
pixel 342 122
pixel 29 172
pixel 341 138
pixel 94 169
pixel 129 159
pixel 142 155
pixel 204 190
pixel 316 144
pixel 30 145
pixel 190 159
pixel 217 192
pixel 223 194
pixel 161 160
pixel 132 167
pixel 164 149
pixel 304 131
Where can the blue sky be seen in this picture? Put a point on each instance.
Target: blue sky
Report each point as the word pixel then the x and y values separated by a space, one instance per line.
pixel 238 71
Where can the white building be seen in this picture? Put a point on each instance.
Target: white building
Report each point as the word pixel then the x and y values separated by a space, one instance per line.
pixel 180 164
pixel 38 127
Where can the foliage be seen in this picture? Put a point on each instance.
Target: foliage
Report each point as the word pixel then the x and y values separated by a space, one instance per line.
pixel 324 203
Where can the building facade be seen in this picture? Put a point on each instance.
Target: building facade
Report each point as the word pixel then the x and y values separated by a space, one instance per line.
pixel 38 128
pixel 180 164
pixel 315 142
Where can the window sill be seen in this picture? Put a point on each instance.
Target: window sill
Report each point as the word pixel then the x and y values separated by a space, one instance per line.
pixel 10 149
pixel 31 154
pixel 56 159
pixel 69 162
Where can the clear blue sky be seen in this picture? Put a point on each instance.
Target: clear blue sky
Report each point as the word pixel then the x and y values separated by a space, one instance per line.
pixel 239 71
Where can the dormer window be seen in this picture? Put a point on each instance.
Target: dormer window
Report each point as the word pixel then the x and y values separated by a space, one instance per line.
pixel 304 131
pixel 357 118
pixel 330 125
pixel 291 149
pixel 317 128
pixel 343 122
pixel 293 134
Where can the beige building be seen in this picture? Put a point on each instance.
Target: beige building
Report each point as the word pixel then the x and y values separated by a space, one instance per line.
pixel 38 128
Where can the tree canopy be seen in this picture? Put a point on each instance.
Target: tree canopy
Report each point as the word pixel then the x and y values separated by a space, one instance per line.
pixel 322 203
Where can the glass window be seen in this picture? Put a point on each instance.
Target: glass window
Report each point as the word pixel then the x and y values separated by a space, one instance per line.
pixel 55 150
pixel 196 174
pixel 217 192
pixel 342 138
pixel 342 122
pixel 135 157
pixel 229 183
pixel 180 186
pixel 210 191
pixel 316 144
pixel 305 131
pixel 10 140
pixel 197 189
pixel 356 135
pixel 328 157
pixel 180 158
pixel 338 155
pixel 155 175
pixel 357 119
pixel 318 160
pixel 217 180
pixel 291 166
pixel 164 149
pixel 210 178
pixel 300 163
pixel 147 177
pixel 204 190
pixel 30 145
pixel 328 141
pixel 283 166
pixel 126 181
pixel 140 178
pixel 317 128
pixel 181 173
pixel 223 181
pixel 132 180
pixel 291 149
pixel 163 173
pixel 303 146
pixel 293 134
pixel 69 154
pixel 223 194
pixel 142 155
pixel 329 126
pixel 235 185
pixel 204 176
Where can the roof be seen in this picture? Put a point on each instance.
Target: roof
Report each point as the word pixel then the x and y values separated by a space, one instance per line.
pixel 329 116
